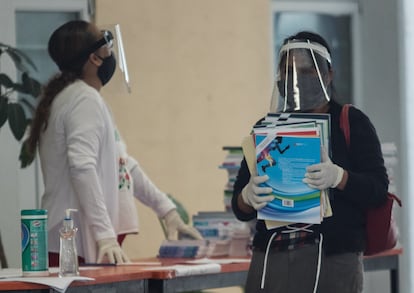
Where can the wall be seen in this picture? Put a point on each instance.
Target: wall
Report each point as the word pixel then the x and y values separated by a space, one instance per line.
pixel 406 61
pixel 381 94
pixel 201 77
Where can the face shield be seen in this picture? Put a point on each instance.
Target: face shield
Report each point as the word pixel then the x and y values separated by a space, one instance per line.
pixel 112 39
pixel 302 79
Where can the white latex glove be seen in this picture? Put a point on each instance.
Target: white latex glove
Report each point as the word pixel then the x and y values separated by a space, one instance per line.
pixel 251 192
pixel 110 248
pixel 174 224
pixel 323 175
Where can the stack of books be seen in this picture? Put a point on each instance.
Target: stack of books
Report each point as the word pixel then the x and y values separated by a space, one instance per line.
pixel 226 234
pixel 282 147
pixel 231 164
pixel 183 249
pixel 389 151
pixel 215 225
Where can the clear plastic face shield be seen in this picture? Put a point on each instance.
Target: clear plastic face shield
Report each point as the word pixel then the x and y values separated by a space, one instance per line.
pixel 302 79
pixel 112 39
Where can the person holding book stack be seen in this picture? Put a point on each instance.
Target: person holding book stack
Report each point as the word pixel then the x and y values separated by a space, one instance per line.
pixel 324 257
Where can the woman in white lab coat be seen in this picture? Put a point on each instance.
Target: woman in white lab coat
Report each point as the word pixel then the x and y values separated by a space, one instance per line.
pixel 74 132
pixel 80 152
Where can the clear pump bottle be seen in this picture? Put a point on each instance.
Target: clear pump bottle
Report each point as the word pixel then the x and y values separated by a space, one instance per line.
pixel 68 256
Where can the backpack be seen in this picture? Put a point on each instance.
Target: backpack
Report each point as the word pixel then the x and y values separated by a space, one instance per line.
pixel 381 229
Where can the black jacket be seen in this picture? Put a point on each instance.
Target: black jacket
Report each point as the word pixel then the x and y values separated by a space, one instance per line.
pixel 366 187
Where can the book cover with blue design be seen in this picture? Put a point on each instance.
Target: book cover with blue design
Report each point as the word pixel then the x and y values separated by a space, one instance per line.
pixel 283 155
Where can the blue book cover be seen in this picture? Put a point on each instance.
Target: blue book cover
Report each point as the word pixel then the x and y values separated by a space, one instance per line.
pixel 284 158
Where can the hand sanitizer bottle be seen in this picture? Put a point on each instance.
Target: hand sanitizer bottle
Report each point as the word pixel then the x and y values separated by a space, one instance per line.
pixel 68 256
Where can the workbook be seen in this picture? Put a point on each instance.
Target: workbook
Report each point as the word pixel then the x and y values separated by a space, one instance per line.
pixel 284 145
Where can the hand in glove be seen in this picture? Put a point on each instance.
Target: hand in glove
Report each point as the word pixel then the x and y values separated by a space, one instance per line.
pixel 174 224
pixel 251 192
pixel 110 248
pixel 323 175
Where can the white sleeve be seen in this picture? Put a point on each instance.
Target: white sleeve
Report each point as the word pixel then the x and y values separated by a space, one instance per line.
pixel 84 129
pixel 93 208
pixel 146 191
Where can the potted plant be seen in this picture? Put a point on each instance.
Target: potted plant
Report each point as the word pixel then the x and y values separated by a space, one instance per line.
pixel 18 96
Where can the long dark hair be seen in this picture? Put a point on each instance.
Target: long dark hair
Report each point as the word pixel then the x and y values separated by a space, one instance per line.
pixel 65 47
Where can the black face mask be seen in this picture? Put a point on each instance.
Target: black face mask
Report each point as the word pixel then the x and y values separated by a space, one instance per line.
pixel 107 68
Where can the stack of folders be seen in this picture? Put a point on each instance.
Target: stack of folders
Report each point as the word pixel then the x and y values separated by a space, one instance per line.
pixel 282 146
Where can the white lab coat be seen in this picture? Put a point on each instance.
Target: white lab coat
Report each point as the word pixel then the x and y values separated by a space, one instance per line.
pixel 80 168
pixel 134 183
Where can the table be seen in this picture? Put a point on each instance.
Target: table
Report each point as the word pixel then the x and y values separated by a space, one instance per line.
pixel 136 279
pixel 113 278
pixel 236 274
pixel 231 274
pixel 387 260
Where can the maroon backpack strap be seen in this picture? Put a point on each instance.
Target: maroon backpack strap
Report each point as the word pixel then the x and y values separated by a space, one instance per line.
pixel 396 198
pixel 344 123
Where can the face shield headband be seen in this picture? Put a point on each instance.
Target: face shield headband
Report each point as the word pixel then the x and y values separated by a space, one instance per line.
pixel 106 40
pixel 120 81
pixel 302 78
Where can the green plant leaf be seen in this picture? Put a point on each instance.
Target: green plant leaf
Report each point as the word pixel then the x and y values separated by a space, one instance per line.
pixel 3 110
pixel 26 158
pixel 6 81
pixel 17 120
pixel 20 59
pixel 180 209
pixel 27 106
pixel 30 85
pixel 18 87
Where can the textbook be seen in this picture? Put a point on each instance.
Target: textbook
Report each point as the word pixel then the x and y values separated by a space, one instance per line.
pixel 283 146
pixel 231 163
pixel 322 121
pixel 283 155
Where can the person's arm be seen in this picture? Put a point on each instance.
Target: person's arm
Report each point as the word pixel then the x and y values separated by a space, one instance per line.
pixel 359 175
pixel 344 180
pixel 146 191
pixel 367 179
pixel 84 129
pixel 149 194
pixel 248 196
pixel 245 208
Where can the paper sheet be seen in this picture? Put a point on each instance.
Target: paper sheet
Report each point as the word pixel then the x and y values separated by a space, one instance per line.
pixel 189 270
pixel 141 263
pixel 57 283
pixel 218 261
